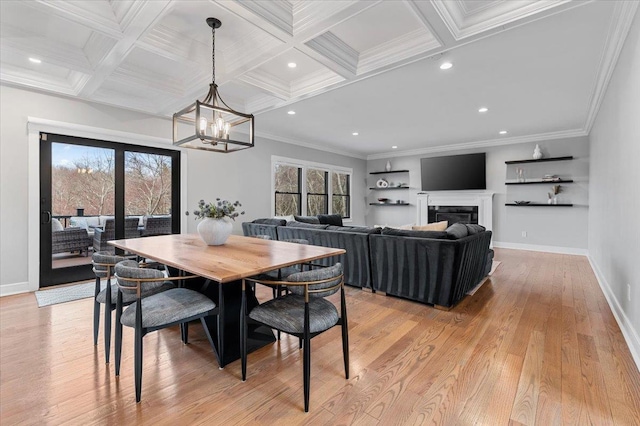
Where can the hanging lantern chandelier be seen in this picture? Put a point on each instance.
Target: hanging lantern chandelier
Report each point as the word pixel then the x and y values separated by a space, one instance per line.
pixel 211 124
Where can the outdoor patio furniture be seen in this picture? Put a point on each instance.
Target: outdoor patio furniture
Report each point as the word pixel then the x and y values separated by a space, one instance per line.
pixel 102 236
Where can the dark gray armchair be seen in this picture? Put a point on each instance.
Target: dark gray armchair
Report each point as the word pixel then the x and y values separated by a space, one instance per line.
pixel 70 240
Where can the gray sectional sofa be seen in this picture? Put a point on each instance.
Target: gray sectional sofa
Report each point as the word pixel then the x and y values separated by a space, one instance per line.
pixel 437 268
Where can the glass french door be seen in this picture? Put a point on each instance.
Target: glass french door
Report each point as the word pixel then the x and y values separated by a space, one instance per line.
pixel 94 191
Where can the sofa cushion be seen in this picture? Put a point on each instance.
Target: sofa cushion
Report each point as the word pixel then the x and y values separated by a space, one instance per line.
pixel 457 231
pixel 330 219
pixel 79 222
pixel 357 229
pixel 288 218
pixel 435 226
pixel 307 219
pixel 56 225
pixel 473 228
pixel 92 221
pixel 440 235
pixel 269 221
pixel 103 219
pixel 295 224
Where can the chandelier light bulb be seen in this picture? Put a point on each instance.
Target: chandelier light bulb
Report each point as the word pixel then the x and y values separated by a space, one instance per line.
pixel 203 125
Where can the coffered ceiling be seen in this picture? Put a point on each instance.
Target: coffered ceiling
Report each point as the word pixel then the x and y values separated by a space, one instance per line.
pixel 372 67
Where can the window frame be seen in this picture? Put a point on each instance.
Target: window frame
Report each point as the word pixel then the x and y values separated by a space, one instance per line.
pixel 304 165
pixel 300 186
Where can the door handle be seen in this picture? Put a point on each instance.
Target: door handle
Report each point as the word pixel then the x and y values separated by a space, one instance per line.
pixel 48 220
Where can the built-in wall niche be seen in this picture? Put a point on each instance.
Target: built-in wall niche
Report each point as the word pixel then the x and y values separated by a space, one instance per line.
pixel 390 188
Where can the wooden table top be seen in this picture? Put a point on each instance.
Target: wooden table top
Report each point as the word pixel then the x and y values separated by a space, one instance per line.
pixel 238 258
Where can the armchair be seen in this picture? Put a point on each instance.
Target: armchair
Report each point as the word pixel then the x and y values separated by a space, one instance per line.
pixel 70 239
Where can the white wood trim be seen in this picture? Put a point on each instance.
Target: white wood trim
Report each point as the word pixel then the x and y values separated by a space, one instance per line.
pixel 546 249
pixel 15 288
pixel 275 159
pixel 626 326
pixel 482 199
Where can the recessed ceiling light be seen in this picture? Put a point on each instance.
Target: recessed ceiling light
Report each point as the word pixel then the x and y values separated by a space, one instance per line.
pixel 503 132
pixel 483 109
pixel 35 60
pixel 446 65
pixel 292 65
pixel 394 147
pixel 355 133
pixel 292 112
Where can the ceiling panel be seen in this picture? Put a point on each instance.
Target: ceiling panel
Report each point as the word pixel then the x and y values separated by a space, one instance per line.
pixel 366 66
pixel 377 25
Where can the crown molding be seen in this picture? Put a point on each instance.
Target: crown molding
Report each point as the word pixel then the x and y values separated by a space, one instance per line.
pixel 333 48
pixel 168 43
pixel 563 134
pixel 307 13
pixel 97 47
pixel 624 13
pixel 407 45
pixel 310 145
pixel 462 24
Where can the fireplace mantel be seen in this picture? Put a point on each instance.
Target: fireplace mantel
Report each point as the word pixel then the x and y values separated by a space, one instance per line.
pixel 482 199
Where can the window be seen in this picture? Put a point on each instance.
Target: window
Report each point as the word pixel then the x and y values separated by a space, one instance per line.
pixel 309 189
pixel 288 190
pixel 341 190
pixel 317 192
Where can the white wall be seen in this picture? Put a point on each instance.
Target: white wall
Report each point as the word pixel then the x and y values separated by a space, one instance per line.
pixel 242 175
pixel 614 227
pixel 561 229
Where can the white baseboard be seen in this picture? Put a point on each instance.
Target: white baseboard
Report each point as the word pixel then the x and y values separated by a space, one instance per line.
pixel 628 331
pixel 14 288
pixel 546 249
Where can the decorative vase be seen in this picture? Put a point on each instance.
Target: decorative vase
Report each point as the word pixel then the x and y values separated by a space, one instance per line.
pixel 214 232
pixel 387 167
pixel 537 153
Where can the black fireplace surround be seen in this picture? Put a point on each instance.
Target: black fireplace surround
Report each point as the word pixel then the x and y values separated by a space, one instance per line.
pixel 453 214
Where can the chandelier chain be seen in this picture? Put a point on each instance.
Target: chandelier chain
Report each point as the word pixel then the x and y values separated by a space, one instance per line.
pixel 213 55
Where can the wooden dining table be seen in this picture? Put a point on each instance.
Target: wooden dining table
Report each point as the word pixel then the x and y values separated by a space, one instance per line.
pixel 222 269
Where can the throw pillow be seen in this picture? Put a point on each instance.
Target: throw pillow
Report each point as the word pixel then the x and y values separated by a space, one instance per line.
pixel 435 226
pixel 473 229
pixel 289 218
pixel 407 227
pixel 267 221
pixel 440 235
pixel 56 225
pixel 330 219
pixel 78 222
pixel 295 224
pixel 457 230
pixel 307 219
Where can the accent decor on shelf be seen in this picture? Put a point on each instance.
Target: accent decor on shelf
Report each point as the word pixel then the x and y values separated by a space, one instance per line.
pixel 212 120
pixel 537 153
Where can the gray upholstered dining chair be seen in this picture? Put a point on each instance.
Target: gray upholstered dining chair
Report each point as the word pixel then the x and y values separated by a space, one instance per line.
pixel 176 306
pixel 304 313
pixel 103 267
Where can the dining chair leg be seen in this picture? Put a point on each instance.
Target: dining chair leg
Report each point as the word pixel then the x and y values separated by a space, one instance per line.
pixel 107 322
pixel 138 351
pixel 299 343
pixel 345 333
pixel 243 331
pixel 96 313
pixel 185 337
pixel 306 353
pixel 118 348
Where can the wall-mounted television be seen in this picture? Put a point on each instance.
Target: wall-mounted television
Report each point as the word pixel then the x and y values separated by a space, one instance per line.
pixel 454 172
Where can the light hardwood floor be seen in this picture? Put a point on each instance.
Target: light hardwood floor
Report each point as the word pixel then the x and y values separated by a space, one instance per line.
pixel 537 344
